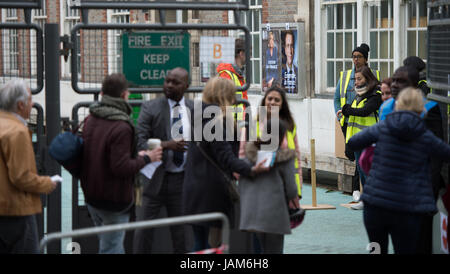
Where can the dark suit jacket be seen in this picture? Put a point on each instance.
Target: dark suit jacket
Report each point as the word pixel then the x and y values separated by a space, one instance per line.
pixel 154 122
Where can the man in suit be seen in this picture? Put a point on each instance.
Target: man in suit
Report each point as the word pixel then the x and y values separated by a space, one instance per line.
pixel 165 118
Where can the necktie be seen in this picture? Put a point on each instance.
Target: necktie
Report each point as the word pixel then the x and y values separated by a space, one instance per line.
pixel 178 156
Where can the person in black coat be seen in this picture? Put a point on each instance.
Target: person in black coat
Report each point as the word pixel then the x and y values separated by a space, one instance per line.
pixel 361 113
pixel 398 194
pixel 434 122
pixel 205 187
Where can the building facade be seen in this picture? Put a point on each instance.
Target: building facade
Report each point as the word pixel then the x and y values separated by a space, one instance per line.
pixel 332 29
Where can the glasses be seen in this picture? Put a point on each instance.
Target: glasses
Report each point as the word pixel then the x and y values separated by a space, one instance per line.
pixel 357 56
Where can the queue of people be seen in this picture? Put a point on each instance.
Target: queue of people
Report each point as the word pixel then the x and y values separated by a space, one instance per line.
pixel 194 176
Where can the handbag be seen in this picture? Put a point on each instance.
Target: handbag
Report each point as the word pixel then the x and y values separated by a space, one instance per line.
pixel 296 216
pixel 67 149
pixel 231 184
pixel 366 158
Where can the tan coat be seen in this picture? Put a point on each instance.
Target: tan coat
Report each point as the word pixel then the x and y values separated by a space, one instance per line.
pixel 20 185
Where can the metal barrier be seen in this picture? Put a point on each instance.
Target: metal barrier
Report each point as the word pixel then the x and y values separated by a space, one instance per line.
pixel 25 59
pixel 144 224
pixel 89 70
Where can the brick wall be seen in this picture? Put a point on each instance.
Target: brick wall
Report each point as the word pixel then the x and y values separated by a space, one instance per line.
pixel 292 11
pixel 280 11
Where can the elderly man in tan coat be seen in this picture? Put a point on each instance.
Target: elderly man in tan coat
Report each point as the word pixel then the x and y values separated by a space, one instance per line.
pixel 20 185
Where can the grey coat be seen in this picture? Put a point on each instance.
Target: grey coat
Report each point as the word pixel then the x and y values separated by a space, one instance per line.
pixel 264 199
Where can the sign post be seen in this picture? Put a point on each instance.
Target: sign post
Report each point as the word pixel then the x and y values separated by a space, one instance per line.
pixel 148 56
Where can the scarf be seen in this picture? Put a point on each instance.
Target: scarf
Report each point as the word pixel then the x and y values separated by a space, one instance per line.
pixel 116 109
pixel 112 108
pixel 361 90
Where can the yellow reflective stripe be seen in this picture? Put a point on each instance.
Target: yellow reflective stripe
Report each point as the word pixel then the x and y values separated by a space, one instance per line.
pixel 345 75
pixel 344 85
pixel 357 123
pixel 377 73
pixel 291 145
pixel 232 76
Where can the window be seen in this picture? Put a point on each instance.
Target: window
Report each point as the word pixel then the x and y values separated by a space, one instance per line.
pixel 417 28
pixel 341 38
pixel 252 18
pixel 381 36
pixel 11 44
pixel 195 55
pixel 117 17
pixel 378 23
pixel 40 15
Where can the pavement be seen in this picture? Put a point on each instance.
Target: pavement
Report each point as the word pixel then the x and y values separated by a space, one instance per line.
pixel 329 231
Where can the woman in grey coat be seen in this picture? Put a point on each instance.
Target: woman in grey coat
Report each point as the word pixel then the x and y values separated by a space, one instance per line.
pixel 265 198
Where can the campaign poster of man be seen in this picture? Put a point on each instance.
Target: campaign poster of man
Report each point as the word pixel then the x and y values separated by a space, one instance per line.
pixel 279 59
pixel 289 70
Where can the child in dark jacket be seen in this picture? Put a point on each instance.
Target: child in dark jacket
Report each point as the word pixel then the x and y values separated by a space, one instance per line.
pixel 398 192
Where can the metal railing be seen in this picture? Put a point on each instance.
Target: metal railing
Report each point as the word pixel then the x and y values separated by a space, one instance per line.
pixel 142 225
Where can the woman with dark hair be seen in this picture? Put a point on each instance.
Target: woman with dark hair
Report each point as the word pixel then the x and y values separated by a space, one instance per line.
pixel 264 199
pixel 385 88
pixel 363 112
pixel 275 100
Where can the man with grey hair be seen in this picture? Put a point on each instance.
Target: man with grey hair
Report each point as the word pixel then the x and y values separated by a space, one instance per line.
pixel 20 185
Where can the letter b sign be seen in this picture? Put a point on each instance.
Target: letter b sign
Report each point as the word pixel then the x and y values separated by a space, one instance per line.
pixel 217 51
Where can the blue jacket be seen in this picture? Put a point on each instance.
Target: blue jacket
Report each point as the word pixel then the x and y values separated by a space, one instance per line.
pixel 399 178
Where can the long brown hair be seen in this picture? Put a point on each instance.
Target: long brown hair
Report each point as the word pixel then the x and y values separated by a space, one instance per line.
pixel 285 113
pixel 371 81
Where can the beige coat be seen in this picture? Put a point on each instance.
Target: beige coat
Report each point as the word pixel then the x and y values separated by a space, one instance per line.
pixel 20 185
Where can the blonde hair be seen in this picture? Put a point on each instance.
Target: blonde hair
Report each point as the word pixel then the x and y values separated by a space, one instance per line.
pixel 410 99
pixel 219 91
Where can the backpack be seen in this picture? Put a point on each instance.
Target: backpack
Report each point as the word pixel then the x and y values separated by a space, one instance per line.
pixel 67 149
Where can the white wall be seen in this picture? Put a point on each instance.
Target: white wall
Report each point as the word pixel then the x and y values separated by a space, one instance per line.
pixel 321 127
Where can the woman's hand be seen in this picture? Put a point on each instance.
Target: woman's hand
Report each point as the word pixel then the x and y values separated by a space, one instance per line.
pixel 259 168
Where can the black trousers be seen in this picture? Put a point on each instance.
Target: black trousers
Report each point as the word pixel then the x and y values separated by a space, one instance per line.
pixel 19 235
pixel 169 196
pixel 403 227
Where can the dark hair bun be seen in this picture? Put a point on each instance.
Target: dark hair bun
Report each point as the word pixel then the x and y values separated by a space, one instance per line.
pixel 365 46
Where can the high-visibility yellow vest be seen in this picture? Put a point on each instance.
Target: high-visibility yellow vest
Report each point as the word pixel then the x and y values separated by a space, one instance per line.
pixel 291 145
pixel 239 95
pixel 343 88
pixel 358 123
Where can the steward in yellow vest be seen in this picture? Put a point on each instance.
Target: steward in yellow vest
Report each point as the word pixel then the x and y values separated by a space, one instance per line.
pixel 292 143
pixel 235 73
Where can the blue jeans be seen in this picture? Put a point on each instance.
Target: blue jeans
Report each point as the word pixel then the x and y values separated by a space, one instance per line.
pixel 362 175
pixel 111 242
pixel 201 235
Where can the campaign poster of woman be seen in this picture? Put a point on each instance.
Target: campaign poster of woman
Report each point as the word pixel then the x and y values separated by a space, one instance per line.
pixel 271 58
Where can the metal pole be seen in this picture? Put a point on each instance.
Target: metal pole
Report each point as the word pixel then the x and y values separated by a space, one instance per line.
pixel 144 224
pixel 52 118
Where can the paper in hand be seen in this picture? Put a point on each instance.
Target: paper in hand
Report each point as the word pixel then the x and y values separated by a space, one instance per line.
pixel 150 168
pixel 269 156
